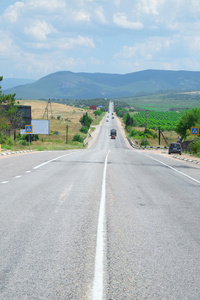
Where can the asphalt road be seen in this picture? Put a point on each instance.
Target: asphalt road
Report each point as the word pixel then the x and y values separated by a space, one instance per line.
pixel 108 222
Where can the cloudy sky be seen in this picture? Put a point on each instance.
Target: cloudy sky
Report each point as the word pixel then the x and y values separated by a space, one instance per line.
pixel 39 37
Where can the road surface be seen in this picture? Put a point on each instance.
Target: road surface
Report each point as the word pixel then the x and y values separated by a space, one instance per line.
pixel 107 222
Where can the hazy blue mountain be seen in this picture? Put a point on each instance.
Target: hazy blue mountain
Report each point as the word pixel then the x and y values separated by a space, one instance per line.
pixel 8 83
pixel 69 85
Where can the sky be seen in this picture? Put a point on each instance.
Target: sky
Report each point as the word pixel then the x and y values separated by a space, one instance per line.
pixel 40 37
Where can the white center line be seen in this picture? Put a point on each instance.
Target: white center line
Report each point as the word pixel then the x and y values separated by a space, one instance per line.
pixel 18 176
pixel 99 258
pixel 3 182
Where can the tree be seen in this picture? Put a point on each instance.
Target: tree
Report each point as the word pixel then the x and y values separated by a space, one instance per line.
pixel 190 118
pixel 10 118
pixel 128 120
pixel 85 121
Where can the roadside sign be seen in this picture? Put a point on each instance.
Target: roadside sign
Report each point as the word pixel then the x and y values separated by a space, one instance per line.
pixel 38 127
pixel 195 130
pixel 28 128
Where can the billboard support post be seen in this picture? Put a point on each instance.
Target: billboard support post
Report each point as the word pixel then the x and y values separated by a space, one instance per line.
pixel 29 140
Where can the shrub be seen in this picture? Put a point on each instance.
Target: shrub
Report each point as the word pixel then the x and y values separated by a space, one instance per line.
pixel 23 142
pixel 144 142
pixel 150 133
pixel 7 140
pixel 77 138
pixel 97 112
pixel 84 130
pixel 34 137
pixel 195 147
pixel 133 133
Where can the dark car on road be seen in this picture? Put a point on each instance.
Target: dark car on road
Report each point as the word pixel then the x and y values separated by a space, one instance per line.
pixel 175 148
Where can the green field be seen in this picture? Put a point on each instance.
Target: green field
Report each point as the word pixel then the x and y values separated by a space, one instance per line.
pixel 153 119
pixel 163 101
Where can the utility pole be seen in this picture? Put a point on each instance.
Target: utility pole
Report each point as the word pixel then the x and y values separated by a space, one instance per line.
pixel 158 135
pixel 46 111
pixel 67 127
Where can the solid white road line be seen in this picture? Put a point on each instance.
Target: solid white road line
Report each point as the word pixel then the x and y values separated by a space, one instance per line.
pixel 99 258
pixel 47 162
pixel 174 169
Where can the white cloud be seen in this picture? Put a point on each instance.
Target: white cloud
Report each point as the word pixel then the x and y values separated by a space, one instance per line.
pixel 144 51
pixel 71 43
pixel 99 13
pixel 44 6
pixel 120 19
pixel 39 30
pixel 155 33
pixel 12 12
pixel 37 64
pixel 81 16
pixel 149 7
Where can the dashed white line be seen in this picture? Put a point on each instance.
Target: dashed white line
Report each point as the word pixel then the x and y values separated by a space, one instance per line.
pixel 28 171
pixel 99 258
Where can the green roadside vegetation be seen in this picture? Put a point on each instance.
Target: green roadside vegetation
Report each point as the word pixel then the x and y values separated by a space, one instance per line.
pixel 58 138
pixel 158 128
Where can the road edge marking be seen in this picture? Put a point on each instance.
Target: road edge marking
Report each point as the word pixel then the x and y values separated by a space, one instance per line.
pixel 174 169
pixel 47 162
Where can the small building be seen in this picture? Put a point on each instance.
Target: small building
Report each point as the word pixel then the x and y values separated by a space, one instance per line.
pixel 93 107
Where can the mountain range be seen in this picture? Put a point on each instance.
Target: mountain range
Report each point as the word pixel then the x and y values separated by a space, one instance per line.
pixel 69 85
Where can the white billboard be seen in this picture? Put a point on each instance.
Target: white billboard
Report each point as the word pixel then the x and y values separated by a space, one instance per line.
pixel 39 127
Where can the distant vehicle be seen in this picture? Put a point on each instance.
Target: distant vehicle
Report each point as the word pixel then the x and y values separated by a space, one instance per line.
pixel 107 120
pixel 112 117
pixel 113 132
pixel 113 137
pixel 175 148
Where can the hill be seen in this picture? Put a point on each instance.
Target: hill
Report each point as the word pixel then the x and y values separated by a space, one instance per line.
pixel 69 85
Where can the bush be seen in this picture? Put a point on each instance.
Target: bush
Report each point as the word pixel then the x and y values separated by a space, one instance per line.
pixel 195 147
pixel 77 138
pixel 7 140
pixel 97 112
pixel 84 130
pixel 23 142
pixel 34 137
pixel 144 142
pixel 150 133
pixel 133 133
